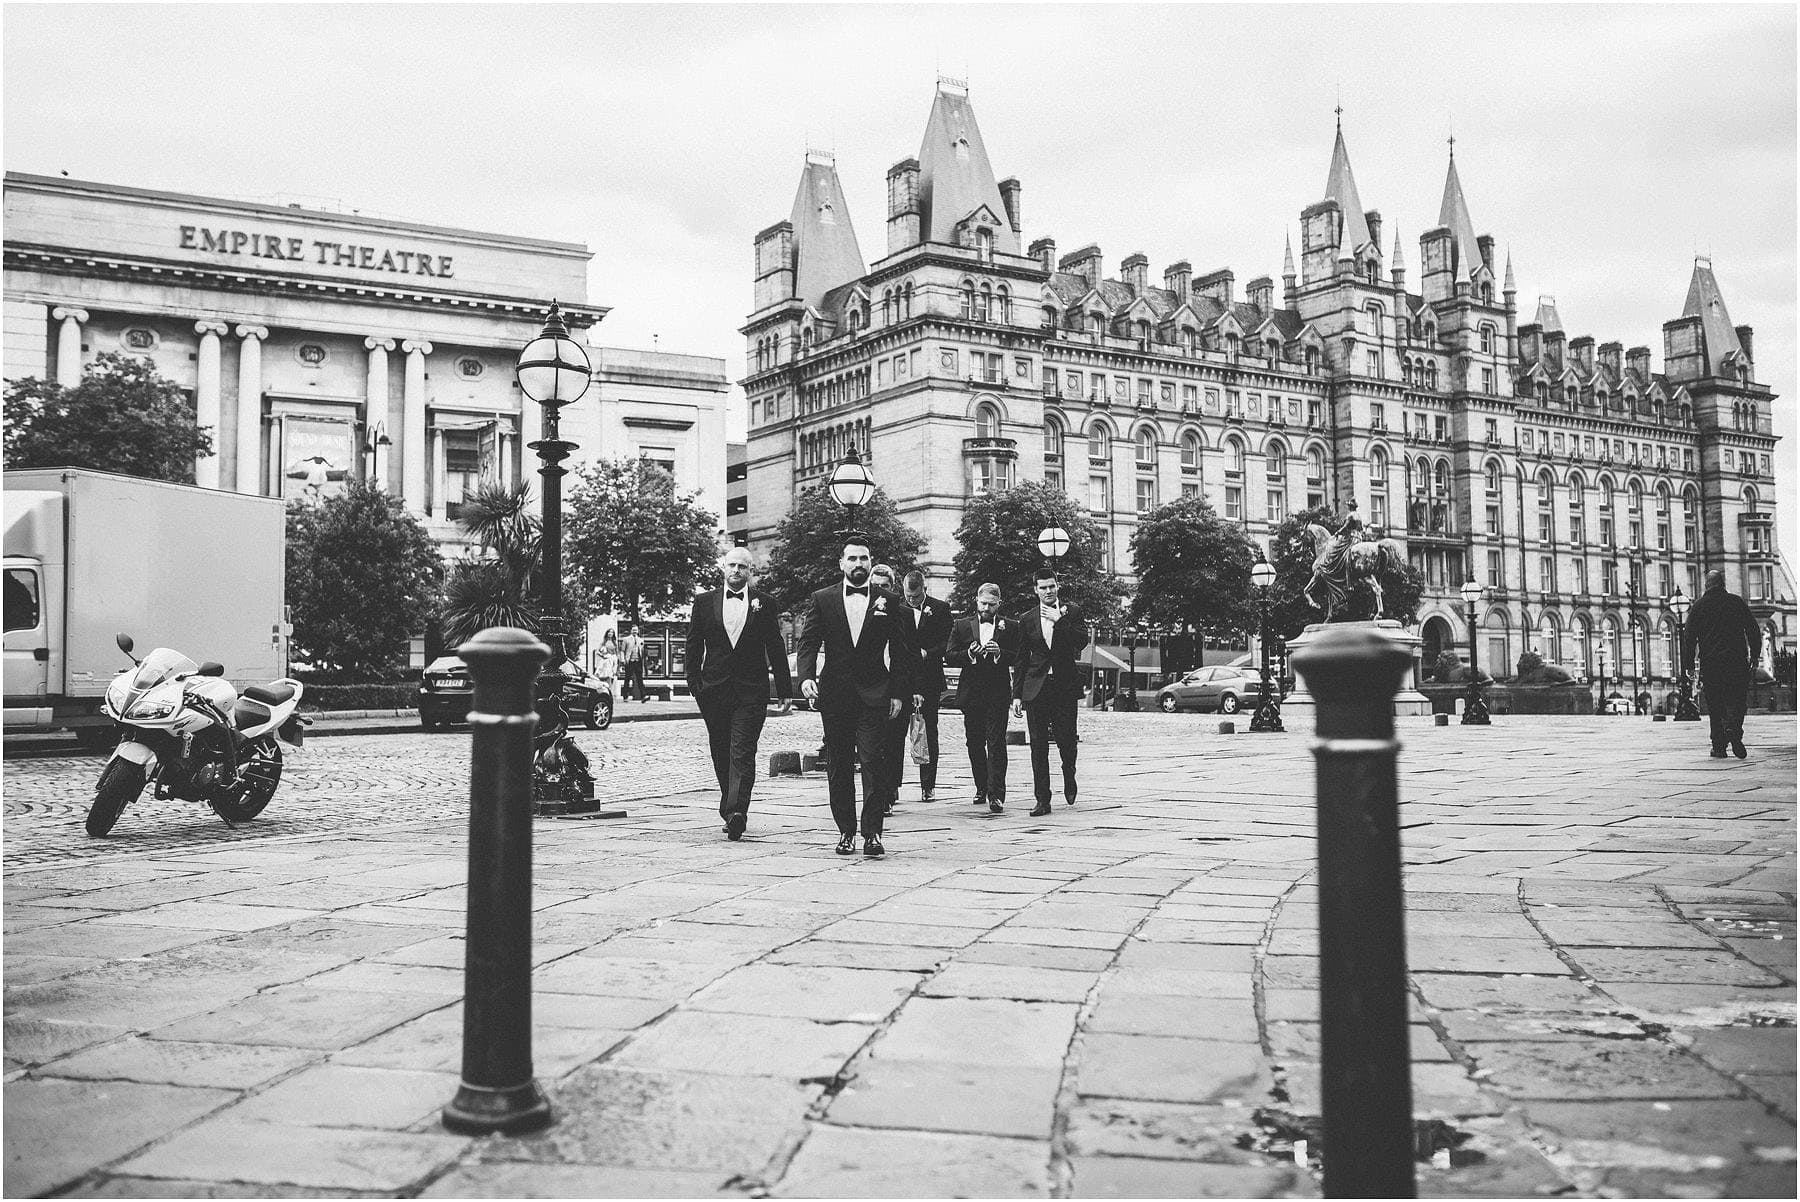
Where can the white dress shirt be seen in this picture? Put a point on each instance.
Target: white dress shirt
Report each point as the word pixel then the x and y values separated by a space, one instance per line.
pixel 737 612
pixel 856 608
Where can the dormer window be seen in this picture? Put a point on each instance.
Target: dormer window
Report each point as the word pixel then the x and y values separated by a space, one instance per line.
pixel 984 239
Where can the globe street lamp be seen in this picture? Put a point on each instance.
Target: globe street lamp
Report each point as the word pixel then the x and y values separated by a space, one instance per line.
pixel 1053 543
pixel 1475 711
pixel 1685 709
pixel 851 486
pixel 1268 708
pixel 554 371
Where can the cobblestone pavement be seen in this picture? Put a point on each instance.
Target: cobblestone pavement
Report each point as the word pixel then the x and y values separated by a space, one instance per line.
pixel 1118 1000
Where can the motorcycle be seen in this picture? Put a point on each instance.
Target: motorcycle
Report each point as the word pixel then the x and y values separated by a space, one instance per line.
pixel 562 778
pixel 192 735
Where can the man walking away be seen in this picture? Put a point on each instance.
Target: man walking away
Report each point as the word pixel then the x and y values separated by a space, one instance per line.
pixel 1047 686
pixel 930 622
pixel 733 644
pixel 631 659
pixel 1721 628
pixel 866 679
pixel 985 646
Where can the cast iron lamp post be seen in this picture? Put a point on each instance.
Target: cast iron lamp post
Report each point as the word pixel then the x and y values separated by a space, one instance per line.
pixel 1268 708
pixel 375 441
pixel 851 486
pixel 1638 666
pixel 553 370
pixel 1475 711
pixel 1128 704
pixel 1685 709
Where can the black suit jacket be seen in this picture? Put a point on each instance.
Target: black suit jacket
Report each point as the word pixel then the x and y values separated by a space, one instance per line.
pixel 1724 631
pixel 986 675
pixel 855 674
pixel 1049 666
pixel 717 671
pixel 932 638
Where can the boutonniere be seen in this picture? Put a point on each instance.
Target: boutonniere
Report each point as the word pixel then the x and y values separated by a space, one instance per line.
pixel 881 605
pixel 999 625
pixel 755 604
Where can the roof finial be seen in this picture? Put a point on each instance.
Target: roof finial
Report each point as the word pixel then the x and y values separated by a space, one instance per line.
pixel 1453 137
pixel 1340 108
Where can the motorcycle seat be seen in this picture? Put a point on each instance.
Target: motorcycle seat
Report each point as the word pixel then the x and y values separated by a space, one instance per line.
pixel 247 714
pixel 269 694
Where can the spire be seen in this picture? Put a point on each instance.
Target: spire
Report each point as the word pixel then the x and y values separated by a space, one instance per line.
pixel 1706 302
pixel 1287 254
pixel 955 177
pixel 1547 317
pixel 1453 215
pixel 825 250
pixel 1397 263
pixel 1509 287
pixel 1340 186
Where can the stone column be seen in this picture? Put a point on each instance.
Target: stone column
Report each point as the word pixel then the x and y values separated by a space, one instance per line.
pixel 68 345
pixel 249 409
pixel 206 399
pixel 438 457
pixel 375 402
pixel 531 428
pixel 503 470
pixel 412 433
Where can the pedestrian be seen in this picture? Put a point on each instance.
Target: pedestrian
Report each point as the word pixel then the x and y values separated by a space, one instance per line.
pixel 929 619
pixel 866 680
pixel 985 646
pixel 1047 686
pixel 631 659
pixel 893 731
pixel 606 662
pixel 1721 628
pixel 733 645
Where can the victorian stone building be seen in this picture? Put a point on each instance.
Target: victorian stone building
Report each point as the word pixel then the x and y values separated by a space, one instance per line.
pixel 1579 485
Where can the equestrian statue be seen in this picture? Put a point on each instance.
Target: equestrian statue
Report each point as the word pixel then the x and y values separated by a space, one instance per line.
pixel 1341 557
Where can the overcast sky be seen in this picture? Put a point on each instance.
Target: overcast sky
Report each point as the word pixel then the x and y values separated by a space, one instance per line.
pixel 1603 146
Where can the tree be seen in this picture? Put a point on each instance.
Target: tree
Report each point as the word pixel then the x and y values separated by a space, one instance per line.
pixel 810 542
pixel 123 417
pixel 1289 610
pixel 631 542
pixel 1193 571
pixel 493 583
pixel 362 578
pixel 998 542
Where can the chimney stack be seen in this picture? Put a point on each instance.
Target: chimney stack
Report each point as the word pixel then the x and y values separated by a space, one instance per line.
pixel 1009 196
pixel 1084 262
pixel 1261 292
pixel 1135 272
pixel 1044 251
pixel 1177 277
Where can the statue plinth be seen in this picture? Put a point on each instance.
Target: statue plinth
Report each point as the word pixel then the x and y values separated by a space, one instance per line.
pixel 1408 702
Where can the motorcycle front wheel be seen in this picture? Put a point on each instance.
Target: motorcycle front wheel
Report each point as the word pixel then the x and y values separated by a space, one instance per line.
pixel 120 783
pixel 259 772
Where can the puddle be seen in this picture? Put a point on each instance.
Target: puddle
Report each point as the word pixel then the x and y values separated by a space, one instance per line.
pixel 1291 1138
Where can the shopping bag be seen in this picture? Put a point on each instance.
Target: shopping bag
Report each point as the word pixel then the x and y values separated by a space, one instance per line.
pixel 917 744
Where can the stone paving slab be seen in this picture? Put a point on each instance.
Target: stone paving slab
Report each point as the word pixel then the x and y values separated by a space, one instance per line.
pixel 1095 1004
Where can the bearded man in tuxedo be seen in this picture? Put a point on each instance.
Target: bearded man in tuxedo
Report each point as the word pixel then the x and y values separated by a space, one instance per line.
pixel 865 683
pixel 733 646
pixel 985 646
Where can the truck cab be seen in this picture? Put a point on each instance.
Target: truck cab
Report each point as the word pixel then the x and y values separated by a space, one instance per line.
pixel 34 540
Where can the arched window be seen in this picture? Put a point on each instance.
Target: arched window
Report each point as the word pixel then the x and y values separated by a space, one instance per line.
pixel 985 305
pixel 1546 488
pixel 1635 493
pixel 1095 325
pixel 1606 492
pixel 1234 456
pixel 1431 375
pixel 1751 500
pixel 968 299
pixel 1549 642
pixel 1190 341
pixel 1146 447
pixel 1378 468
pixel 1493 477
pixel 987 421
pixel 1487 339
pixel 1143 332
pixel 887 307
pixel 1098 441
pixel 1275 456
pixel 907 294
pixel 1049 317
pixel 1190 452
pixel 1440 478
pixel 1005 313
pixel 1315 464
pixel 1584 643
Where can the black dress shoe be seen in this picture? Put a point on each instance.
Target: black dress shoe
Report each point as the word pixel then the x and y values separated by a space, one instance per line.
pixel 734 826
pixel 847 845
pixel 995 805
pixel 1718 753
pixel 1737 748
pixel 1068 799
pixel 980 800
pixel 927 794
pixel 1042 810
pixel 872 846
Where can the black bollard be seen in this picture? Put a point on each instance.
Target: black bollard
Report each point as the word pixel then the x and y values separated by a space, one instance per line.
pixel 498 1092
pixel 1366 1062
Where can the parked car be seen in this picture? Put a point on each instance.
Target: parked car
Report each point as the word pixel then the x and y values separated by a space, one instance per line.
pixel 1226 689
pixel 445 690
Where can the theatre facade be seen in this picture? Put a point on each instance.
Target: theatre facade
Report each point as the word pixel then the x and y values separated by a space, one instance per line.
pixel 318 346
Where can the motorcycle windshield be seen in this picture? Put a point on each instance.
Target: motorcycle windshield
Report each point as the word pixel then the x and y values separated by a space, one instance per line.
pixel 160 665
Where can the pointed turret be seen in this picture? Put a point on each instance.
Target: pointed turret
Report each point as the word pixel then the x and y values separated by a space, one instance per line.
pixel 1547 318
pixel 825 250
pixel 1453 215
pixel 1340 185
pixel 1397 265
pixel 1508 288
pixel 957 193
pixel 1287 270
pixel 1705 302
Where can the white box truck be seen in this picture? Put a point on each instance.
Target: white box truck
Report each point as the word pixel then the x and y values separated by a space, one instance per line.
pixel 90 554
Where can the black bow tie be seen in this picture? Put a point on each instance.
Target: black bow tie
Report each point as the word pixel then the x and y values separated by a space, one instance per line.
pixel 850 590
pixel 731 596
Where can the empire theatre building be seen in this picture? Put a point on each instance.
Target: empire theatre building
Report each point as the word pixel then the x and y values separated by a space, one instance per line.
pixel 318 346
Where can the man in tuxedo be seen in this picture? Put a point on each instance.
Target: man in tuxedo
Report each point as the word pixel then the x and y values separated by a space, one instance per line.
pixel 1047 686
pixel 866 681
pixel 985 646
pixel 929 621
pixel 733 644
pixel 893 731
